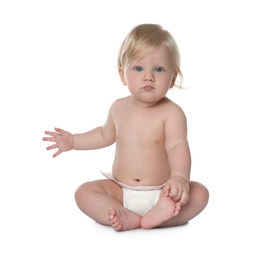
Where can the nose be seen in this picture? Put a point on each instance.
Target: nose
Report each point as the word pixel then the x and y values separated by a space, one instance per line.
pixel 149 76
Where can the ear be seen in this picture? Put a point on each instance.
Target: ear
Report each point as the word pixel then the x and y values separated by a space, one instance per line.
pixel 174 79
pixel 122 76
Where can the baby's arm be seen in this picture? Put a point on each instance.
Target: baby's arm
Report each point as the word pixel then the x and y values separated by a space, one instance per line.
pixel 94 139
pixel 99 137
pixel 179 156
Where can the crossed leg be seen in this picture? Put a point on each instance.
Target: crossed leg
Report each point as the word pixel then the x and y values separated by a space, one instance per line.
pixel 108 197
pixel 102 201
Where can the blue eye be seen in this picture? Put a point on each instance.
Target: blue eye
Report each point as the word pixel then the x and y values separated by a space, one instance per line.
pixel 138 68
pixel 158 69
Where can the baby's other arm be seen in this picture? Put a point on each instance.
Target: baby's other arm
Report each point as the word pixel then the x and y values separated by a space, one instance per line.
pixel 177 147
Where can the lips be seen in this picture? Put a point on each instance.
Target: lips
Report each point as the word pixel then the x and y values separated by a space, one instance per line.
pixel 148 88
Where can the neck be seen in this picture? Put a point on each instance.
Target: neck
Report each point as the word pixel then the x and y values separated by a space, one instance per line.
pixel 144 104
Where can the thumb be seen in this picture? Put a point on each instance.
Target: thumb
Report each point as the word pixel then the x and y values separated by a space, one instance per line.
pixel 166 190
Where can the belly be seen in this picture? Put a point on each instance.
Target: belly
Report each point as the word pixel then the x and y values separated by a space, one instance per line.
pixel 141 167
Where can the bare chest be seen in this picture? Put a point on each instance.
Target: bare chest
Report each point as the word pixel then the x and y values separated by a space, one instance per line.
pixel 140 128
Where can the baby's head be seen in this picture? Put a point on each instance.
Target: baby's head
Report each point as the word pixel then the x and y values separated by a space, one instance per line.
pixel 143 40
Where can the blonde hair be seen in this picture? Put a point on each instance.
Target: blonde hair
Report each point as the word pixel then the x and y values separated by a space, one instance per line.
pixel 144 39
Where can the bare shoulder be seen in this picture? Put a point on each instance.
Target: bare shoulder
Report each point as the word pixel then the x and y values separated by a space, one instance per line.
pixel 173 110
pixel 113 114
pixel 175 124
pixel 119 103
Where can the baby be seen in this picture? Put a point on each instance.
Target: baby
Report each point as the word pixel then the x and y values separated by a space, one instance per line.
pixel 149 185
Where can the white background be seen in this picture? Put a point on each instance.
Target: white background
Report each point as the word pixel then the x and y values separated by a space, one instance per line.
pixel 58 68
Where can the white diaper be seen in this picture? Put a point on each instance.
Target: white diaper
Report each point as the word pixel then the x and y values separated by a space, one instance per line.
pixel 139 199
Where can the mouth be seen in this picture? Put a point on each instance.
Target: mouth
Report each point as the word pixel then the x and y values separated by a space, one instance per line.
pixel 148 88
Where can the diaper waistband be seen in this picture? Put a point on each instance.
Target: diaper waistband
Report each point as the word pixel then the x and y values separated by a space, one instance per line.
pixel 139 188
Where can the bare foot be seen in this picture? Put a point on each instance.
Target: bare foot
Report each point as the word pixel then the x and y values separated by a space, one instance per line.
pixel 165 209
pixel 123 219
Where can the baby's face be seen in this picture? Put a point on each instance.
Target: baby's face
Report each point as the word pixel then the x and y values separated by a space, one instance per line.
pixel 150 77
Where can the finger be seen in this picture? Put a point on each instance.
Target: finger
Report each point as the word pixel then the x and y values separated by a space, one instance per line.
pixel 176 198
pixel 56 154
pixel 52 147
pixel 184 198
pixel 174 193
pixel 58 130
pixel 53 134
pixel 49 139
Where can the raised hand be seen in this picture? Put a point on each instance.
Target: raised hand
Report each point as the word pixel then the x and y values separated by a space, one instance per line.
pixel 63 140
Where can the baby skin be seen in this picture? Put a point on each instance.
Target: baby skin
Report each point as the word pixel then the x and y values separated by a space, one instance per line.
pixel 151 148
pixel 125 219
pixel 162 156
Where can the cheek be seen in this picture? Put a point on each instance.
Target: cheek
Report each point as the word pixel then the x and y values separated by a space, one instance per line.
pixel 130 79
pixel 167 81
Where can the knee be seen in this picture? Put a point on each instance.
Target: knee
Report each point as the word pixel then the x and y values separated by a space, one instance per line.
pixel 81 193
pixel 204 194
pixel 201 193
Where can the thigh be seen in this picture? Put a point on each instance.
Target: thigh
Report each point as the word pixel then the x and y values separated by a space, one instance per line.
pixel 108 187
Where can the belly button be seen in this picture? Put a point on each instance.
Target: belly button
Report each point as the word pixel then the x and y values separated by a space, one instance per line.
pixel 137 180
